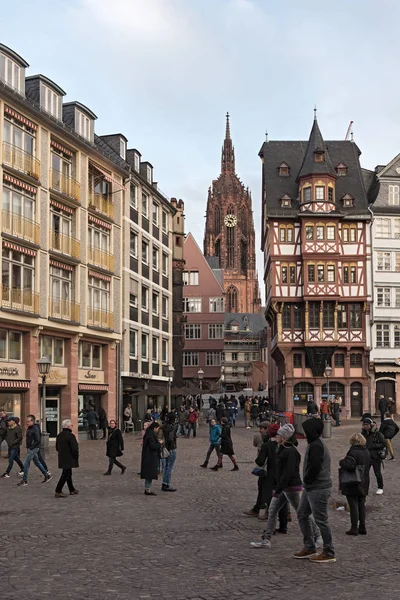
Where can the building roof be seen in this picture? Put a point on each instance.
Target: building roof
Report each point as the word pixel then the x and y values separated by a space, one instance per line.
pixel 48 82
pixel 214 264
pixel 316 144
pixel 256 322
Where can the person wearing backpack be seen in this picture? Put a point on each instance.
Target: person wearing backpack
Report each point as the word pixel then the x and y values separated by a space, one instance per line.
pixel 389 429
pixel 377 449
pixel 356 491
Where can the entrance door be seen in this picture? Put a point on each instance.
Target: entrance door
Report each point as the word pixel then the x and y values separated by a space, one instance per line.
pixel 384 387
pixel 52 416
pixel 356 399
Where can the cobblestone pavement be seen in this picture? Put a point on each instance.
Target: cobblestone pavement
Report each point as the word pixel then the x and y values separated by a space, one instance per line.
pixel 112 541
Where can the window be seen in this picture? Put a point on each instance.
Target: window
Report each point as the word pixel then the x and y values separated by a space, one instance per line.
pixel 396 228
pixel 319 156
pixel 328 315
pixel 320 192
pixel 346 278
pixel 192 332
pixel 145 346
pixel 282 234
pixel 383 261
pixel 396 336
pixel 284 274
pixel 10 72
pixel 164 351
pixel 353 274
pixel 330 273
pixel 136 161
pixel 190 278
pixel 145 204
pixel 289 234
pixel 190 359
pixel 156 255
pixel 393 195
pixel 145 252
pixel 342 316
pixel 10 345
pixel 320 232
pixel 284 170
pixel 330 194
pixel 213 359
pixel 287 317
pixel 133 196
pixel 52 348
pixel 155 299
pixel 99 240
pixel 383 296
pixel 234 356
pixel 122 148
pixel 132 343
pixel 191 304
pixel 156 209
pixel 345 234
pixel 341 170
pixel 397 297
pixel 133 293
pixel 99 294
pixel 149 174
pixel 353 234
pixel 292 274
pixel 165 264
pixel 356 360
pixel 19 135
pixel 83 125
pixel 145 298
pixel 215 332
pixel 314 315
pixel 339 360
pixel 18 276
pixel 50 101
pixel 89 355
pixel 397 261
pixel 330 231
pixel 383 336
pixel 309 232
pixel 298 316
pixel 154 349
pixel 311 273
pixel 382 228
pixel 320 273
pixel 297 361
pixel 164 221
pixel 133 244
pixel 307 194
pixel 18 204
pixel 217 305
pixel 164 307
pixel 355 316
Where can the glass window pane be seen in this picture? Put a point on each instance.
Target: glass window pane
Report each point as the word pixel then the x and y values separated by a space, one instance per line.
pixel 58 352
pixel 3 343
pixel 46 348
pixel 86 350
pixel 96 356
pixel 15 352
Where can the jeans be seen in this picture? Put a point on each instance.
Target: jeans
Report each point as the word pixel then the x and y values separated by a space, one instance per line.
pixel 169 467
pixel 315 503
pixel 336 416
pixel 113 461
pixel 377 466
pixel 325 417
pixel 13 455
pixel 93 432
pixel 147 484
pixel 246 420
pixel 357 511
pixel 32 455
pixel 66 478
pixel 276 505
pixel 212 447
pixel 40 457
pixel 181 429
pixel 191 427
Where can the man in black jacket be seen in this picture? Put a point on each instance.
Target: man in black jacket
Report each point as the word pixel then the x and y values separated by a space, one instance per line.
pixel 32 447
pixel 375 444
pixel 260 508
pixel 3 427
pixel 14 441
pixel 383 406
pixel 389 429
pixel 68 459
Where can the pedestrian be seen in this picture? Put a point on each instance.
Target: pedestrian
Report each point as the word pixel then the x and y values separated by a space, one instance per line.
pixel 182 420
pixel 211 413
pixel 128 417
pixel 114 448
pixel 68 459
pixel 14 441
pixel 254 412
pixel 247 413
pixel 151 449
pixel 39 454
pixel 392 407
pixel 220 411
pixel 103 423
pixel 192 419
pixel 376 445
pixel 226 446
pixel 383 406
pixel 317 488
pixel 324 410
pixel 3 427
pixel 92 420
pixel 164 413
pixel 354 482
pixel 215 441
pixel 260 508
pixel 389 429
pixel 170 429
pixel 232 411
pixel 336 410
pixel 312 408
pixel 32 447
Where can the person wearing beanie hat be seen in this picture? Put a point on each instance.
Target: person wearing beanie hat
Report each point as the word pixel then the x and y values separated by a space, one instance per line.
pixel 272 430
pixel 376 445
pixel 286 431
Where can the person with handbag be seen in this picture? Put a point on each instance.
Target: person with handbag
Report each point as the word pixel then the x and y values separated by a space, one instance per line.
pixel 389 429
pixel 168 450
pixel 114 448
pixel 261 443
pixel 226 446
pixel 151 449
pixel 354 482
pixel 376 445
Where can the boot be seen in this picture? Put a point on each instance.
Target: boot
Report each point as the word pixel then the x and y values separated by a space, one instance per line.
pixel 235 468
pixel 263 514
pixel 362 530
pixel 215 468
pixel 204 465
pixel 352 531
pixel 107 473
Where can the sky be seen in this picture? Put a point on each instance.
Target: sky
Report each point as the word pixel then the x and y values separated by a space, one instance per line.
pixel 165 72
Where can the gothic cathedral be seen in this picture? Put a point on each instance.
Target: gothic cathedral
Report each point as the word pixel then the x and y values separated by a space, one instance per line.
pixel 229 234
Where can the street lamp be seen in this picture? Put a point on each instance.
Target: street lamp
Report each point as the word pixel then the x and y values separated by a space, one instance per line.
pixel 170 373
pixel 327 374
pixel 222 379
pixel 200 375
pixel 43 365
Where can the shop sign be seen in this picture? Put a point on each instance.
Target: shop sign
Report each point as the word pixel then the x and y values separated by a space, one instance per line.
pixel 57 376
pixel 12 371
pixel 90 376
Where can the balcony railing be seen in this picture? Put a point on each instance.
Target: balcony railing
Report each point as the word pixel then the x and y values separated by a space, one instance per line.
pixel 99 258
pixel 100 318
pixel 63 184
pixel 65 244
pixel 20 160
pixel 101 203
pixel 63 309
pixel 20 227
pixel 19 299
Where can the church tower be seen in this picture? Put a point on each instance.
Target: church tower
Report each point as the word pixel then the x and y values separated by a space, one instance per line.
pixel 229 234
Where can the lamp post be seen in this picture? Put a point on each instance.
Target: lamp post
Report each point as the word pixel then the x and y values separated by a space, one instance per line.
pixel 327 374
pixel 43 365
pixel 170 373
pixel 222 379
pixel 200 375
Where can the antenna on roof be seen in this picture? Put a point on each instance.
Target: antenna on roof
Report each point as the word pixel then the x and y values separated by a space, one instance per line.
pixel 349 132
pixel 315 112
pixel 266 136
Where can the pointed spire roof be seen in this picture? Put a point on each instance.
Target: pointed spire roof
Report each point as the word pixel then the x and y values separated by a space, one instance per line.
pixel 316 145
pixel 228 151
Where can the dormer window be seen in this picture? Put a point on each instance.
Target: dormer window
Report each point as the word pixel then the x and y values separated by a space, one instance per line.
pixel 284 170
pixel 136 162
pixel 348 201
pixel 12 73
pixel 83 125
pixel 286 201
pixel 122 148
pixel 307 194
pixel 393 195
pixel 319 156
pixel 149 174
pixel 50 101
pixel 341 170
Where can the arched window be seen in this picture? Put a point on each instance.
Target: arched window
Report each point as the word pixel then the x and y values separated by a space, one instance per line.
pixel 218 248
pixel 243 256
pixel 232 299
pixel 217 220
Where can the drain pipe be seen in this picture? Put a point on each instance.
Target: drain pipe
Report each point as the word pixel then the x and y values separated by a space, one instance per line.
pixel 371 322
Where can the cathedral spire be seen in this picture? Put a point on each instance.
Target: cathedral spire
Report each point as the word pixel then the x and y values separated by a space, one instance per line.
pixel 228 151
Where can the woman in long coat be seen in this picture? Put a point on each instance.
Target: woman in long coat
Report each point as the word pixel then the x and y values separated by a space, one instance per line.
pixel 115 447
pixel 150 457
pixel 358 455
pixel 226 446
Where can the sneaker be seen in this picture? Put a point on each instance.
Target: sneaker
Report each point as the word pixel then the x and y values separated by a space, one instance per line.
pixel 22 483
pixel 304 554
pixel 74 493
pixel 248 427
pixel 322 558
pixel 262 544
pixel 5 476
pixel 379 492
pixel 20 473
pixel 48 473
pixel 47 478
pixel 60 495
pixel 319 542
pixel 250 513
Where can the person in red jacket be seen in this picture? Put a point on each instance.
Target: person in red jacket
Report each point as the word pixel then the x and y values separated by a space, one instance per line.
pixel 324 410
pixel 193 417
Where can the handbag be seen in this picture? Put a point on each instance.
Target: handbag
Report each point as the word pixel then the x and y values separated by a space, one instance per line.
pixel 352 477
pixel 164 452
pixel 259 472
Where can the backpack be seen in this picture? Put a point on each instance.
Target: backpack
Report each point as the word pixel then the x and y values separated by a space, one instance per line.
pixel 382 451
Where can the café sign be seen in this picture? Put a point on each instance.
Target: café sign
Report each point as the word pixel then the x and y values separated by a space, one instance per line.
pixel 57 376
pixel 90 376
pixel 12 371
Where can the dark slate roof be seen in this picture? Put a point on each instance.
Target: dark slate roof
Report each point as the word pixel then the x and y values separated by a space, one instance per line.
pixel 214 264
pixel 316 144
pixel 255 321
pixel 105 149
pixel 293 152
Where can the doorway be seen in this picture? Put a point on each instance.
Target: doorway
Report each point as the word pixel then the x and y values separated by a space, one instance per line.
pixel 384 387
pixel 356 399
pixel 53 416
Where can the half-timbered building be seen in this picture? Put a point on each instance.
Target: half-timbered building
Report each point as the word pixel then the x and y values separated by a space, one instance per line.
pixel 316 244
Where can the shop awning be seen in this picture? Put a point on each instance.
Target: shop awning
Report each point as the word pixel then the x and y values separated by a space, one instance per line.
pixel 93 387
pixel 386 369
pixel 11 383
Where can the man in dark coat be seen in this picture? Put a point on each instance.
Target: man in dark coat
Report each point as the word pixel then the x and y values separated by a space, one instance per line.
pixel 68 459
pixel 92 420
pixel 114 448
pixel 375 444
pixel 103 423
pixel 383 406
pixel 312 408
pixel 14 442
pixel 150 457
pixel 3 427
pixel 389 429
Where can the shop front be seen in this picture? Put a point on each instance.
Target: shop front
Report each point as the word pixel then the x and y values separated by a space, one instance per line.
pixel 56 380
pixel 92 392
pixel 13 386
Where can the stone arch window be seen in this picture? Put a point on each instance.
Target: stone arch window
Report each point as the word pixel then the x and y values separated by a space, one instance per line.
pixel 243 256
pixel 218 248
pixel 232 297
pixel 230 241
pixel 217 220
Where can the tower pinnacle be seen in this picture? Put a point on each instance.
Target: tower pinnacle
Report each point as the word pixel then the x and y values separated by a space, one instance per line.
pixel 228 151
